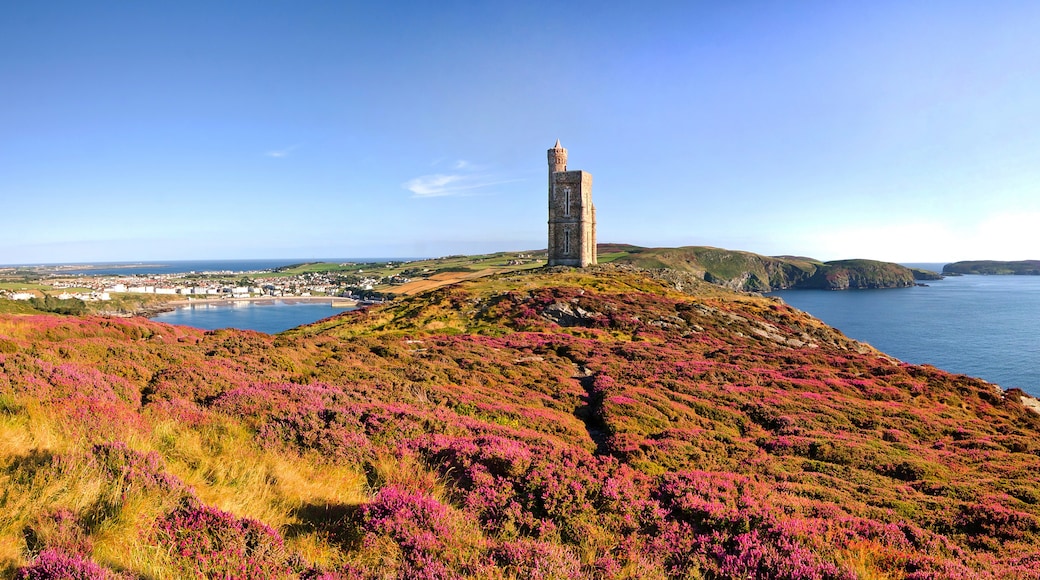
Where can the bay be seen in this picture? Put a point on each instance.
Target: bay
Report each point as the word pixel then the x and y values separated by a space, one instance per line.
pixel 270 317
pixel 983 326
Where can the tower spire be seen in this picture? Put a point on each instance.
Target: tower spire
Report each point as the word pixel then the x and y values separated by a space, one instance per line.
pixel 557 146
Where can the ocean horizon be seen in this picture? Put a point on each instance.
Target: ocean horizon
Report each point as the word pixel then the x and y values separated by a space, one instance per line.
pixel 145 267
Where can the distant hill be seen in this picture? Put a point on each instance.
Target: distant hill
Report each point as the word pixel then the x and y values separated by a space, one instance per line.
pixel 552 423
pixel 753 272
pixel 1022 268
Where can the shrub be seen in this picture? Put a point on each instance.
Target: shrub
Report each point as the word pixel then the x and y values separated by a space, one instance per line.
pixel 211 543
pixel 56 565
pixel 427 533
pixel 59 530
pixel 537 560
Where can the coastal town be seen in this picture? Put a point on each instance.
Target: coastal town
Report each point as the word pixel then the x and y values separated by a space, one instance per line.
pixel 208 285
pixel 340 282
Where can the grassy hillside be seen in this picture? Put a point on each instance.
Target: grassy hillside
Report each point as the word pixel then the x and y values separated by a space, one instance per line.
pixel 747 271
pixel 497 262
pixel 604 423
pixel 16 307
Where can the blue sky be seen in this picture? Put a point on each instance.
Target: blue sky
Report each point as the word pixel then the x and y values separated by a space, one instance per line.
pixel 903 131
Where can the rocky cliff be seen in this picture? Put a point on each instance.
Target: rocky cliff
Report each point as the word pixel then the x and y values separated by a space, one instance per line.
pixel 752 272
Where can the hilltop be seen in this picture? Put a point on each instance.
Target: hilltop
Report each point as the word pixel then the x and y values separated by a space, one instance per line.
pixel 553 423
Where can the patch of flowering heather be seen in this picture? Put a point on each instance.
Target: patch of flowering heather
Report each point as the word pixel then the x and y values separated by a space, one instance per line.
pixel 426 531
pixel 210 543
pixel 72 378
pixel 331 432
pixel 991 518
pixel 200 381
pixel 59 530
pixel 348 572
pixel 54 564
pixel 262 401
pixel 488 454
pixel 99 420
pixel 542 492
pixel 483 468
pixel 305 417
pixel 713 501
pixel 86 402
pixel 180 411
pixel 537 560
pixel 769 554
pixel 725 523
pixel 1024 567
pixel 142 472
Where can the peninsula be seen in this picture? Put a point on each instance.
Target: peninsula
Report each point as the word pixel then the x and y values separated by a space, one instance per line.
pixel 992 267
pixel 752 272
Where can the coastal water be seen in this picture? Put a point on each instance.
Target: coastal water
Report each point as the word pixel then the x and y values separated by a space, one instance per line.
pixel 270 317
pixel 983 326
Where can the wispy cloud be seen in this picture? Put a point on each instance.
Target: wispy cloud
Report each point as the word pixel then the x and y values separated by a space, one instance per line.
pixel 433 185
pixel 441 185
pixel 279 153
pixel 462 181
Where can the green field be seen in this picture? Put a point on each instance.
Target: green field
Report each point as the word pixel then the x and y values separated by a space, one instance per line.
pixel 419 268
pixel 23 286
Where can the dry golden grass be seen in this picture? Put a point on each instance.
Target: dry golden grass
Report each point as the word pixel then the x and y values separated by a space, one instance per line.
pixel 221 463
pixel 438 280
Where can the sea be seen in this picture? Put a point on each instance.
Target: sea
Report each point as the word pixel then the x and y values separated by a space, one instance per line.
pixel 271 317
pixel 983 326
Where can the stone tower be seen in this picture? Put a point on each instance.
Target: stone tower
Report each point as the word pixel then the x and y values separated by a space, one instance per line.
pixel 572 217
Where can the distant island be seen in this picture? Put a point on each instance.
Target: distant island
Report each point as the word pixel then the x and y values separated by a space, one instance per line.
pixel 994 267
pixel 755 273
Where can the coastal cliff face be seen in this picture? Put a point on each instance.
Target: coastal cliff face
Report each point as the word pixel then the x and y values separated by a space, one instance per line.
pixel 754 273
pixel 600 423
pixel 859 274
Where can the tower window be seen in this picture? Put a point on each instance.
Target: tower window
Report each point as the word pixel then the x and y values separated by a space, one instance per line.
pixel 567 241
pixel 567 202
